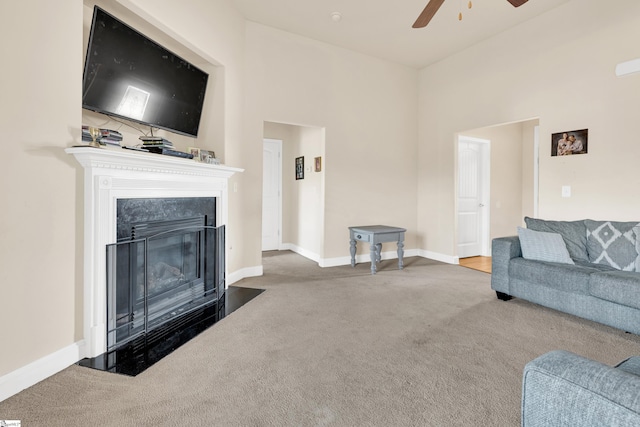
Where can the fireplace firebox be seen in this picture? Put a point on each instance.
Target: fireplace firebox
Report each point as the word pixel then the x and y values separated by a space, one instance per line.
pixel 168 262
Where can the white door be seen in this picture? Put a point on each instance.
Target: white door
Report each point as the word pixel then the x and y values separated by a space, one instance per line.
pixel 473 196
pixel 271 194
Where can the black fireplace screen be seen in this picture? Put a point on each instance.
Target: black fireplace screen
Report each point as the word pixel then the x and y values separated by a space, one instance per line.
pixel 167 270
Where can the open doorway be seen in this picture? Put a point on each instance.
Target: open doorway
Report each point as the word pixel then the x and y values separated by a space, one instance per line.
pixel 513 176
pixel 301 192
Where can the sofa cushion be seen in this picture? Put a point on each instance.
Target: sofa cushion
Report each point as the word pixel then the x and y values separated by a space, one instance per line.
pixel 621 287
pixel 612 243
pixel 564 277
pixel 574 234
pixel 543 246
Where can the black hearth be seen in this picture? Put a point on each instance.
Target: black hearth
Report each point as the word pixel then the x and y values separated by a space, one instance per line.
pixel 139 354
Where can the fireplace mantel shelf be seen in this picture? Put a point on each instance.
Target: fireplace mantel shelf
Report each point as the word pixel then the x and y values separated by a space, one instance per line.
pixel 114 158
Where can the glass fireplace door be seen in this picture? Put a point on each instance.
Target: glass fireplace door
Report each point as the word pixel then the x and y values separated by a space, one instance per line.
pixel 170 270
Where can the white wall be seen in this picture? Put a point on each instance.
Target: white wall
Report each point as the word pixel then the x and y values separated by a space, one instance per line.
pixel 559 68
pixel 40 250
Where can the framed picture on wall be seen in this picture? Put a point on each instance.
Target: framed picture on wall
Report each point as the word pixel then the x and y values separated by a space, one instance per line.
pixel 569 142
pixel 318 164
pixel 300 167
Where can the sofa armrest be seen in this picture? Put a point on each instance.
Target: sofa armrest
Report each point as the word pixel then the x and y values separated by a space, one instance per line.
pixel 502 250
pixel 563 389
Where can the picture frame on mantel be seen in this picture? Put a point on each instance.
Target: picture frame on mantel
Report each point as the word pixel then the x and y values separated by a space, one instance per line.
pixel 300 167
pixel 195 152
pixel 569 142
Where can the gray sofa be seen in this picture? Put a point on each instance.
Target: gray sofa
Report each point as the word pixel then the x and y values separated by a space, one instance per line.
pixel 563 389
pixel 598 280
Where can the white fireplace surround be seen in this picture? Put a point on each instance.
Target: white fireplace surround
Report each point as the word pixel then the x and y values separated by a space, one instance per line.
pixel 111 174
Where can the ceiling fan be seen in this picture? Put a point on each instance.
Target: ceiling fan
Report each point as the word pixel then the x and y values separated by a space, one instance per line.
pixel 433 6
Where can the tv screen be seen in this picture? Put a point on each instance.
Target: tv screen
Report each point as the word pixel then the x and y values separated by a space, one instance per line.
pixel 129 76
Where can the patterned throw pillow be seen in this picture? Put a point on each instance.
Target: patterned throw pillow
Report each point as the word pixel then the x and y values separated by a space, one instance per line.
pixel 612 243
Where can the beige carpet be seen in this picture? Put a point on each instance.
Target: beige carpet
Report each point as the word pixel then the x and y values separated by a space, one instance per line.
pixel 426 346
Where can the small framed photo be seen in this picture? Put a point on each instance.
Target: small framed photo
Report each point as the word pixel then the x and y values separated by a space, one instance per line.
pixel 569 142
pixel 318 164
pixel 207 156
pixel 195 152
pixel 299 167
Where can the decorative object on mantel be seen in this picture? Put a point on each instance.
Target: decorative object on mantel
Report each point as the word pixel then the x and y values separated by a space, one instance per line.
pixel 97 136
pixel 569 142
pixel 300 167
pixel 209 157
pixel 195 152
pixel 318 164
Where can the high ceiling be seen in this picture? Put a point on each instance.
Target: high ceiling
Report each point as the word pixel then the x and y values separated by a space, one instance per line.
pixel 382 28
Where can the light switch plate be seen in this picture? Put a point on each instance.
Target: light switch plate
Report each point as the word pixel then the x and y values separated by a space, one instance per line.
pixel 566 191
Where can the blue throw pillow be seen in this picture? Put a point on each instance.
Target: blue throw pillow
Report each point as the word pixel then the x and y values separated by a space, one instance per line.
pixel 574 234
pixel 543 246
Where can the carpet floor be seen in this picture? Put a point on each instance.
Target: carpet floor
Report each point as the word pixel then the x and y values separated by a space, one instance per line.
pixel 426 346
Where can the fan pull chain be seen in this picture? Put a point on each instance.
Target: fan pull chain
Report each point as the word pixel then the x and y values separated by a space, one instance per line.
pixel 469 6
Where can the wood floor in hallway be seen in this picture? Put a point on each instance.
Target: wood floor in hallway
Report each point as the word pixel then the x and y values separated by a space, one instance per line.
pixel 481 263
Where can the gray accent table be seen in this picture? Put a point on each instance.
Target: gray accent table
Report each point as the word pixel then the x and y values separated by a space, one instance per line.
pixel 376 235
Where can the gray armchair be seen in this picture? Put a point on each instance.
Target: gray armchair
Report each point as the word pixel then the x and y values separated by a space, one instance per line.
pixel 563 389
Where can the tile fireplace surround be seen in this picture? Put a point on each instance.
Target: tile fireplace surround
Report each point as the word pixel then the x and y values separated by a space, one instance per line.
pixel 111 174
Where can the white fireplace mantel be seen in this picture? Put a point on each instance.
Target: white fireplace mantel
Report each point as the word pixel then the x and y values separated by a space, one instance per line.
pixel 111 174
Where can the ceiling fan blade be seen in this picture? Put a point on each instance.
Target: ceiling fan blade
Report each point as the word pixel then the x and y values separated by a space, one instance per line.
pixel 428 12
pixel 517 3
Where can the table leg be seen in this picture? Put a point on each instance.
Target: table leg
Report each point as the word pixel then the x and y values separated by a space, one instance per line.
pixel 379 252
pixel 352 249
pixel 400 254
pixel 373 256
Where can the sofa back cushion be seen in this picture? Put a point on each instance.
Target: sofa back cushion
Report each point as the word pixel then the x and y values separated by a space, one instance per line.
pixel 574 234
pixel 612 243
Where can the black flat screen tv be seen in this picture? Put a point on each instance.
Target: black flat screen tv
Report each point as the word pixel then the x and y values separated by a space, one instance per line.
pixel 129 76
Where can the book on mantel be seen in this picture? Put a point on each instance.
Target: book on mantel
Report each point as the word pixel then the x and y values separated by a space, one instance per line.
pixel 167 151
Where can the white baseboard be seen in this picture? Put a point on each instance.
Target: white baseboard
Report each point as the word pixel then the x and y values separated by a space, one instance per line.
pixel 301 251
pixel 449 259
pixel 22 378
pixel 236 276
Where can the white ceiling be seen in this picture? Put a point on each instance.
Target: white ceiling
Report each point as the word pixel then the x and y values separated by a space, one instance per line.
pixel 382 28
